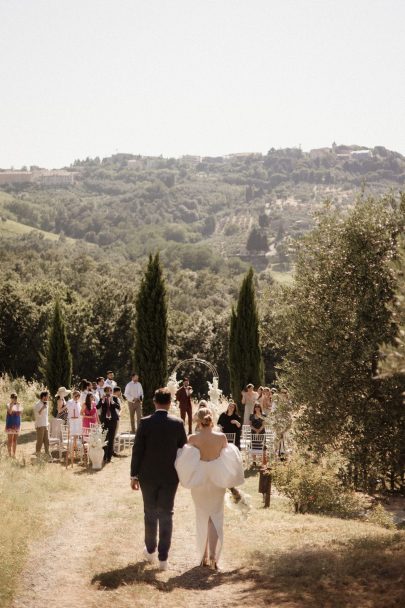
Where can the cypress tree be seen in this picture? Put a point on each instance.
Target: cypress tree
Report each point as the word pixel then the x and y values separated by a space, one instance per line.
pixel 245 357
pixel 57 360
pixel 151 331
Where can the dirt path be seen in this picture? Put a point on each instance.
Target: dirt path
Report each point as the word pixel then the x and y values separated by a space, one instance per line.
pixel 93 554
pixel 90 555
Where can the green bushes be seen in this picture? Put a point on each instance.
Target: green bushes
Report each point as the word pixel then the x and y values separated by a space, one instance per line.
pixel 380 517
pixel 315 487
pixel 28 394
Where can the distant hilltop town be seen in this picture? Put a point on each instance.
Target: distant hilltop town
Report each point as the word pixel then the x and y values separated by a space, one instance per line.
pixel 38 176
pixel 66 177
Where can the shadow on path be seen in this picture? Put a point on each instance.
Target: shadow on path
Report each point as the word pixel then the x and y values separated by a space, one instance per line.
pixel 195 579
pixel 27 438
pixel 364 572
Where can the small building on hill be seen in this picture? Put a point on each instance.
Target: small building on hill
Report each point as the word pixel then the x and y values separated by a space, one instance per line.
pixel 15 177
pixel 54 178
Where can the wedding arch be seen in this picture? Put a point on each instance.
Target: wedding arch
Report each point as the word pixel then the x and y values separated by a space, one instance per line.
pixel 193 361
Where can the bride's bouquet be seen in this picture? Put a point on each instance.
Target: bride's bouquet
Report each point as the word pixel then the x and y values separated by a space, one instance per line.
pixel 237 500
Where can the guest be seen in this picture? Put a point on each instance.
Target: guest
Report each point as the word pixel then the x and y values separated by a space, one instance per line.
pixel 265 401
pixel 183 396
pixel 274 399
pixel 89 412
pixel 100 387
pixel 13 423
pixel 249 398
pixel 231 422
pixel 61 403
pixel 201 405
pixel 85 389
pixel 94 391
pixel 41 412
pixel 134 394
pixel 257 426
pixel 74 407
pixel 108 409
pixel 118 395
pixel 109 381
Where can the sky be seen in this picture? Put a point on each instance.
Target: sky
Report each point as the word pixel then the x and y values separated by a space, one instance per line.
pixel 83 78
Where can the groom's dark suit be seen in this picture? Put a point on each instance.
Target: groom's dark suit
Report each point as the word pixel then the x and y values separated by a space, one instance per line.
pixel 157 440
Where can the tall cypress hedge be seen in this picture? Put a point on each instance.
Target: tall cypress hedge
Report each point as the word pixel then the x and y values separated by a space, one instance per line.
pixel 245 356
pixel 151 331
pixel 57 359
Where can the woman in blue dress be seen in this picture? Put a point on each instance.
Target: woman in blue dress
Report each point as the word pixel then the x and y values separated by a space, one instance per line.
pixel 13 423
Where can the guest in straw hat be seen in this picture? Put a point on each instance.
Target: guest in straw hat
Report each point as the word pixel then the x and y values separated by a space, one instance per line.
pixel 61 403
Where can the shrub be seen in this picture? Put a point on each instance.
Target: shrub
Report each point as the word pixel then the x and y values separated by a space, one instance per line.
pixel 380 517
pixel 28 394
pixel 176 233
pixel 315 487
pixel 231 229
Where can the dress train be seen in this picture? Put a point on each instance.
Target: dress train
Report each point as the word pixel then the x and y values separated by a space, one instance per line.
pixel 208 482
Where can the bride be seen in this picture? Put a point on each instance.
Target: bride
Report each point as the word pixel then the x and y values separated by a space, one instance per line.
pixel 208 465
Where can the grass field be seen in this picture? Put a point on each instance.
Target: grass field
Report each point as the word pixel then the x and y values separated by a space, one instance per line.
pixel 25 493
pixel 10 228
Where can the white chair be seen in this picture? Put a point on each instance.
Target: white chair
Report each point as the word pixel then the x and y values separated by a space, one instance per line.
pixel 55 435
pixel 84 445
pixel 270 438
pixel 123 441
pixel 230 437
pixel 245 436
pixel 255 448
pixel 68 444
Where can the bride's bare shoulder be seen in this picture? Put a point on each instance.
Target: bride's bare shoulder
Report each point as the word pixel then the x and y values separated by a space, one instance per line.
pixel 218 434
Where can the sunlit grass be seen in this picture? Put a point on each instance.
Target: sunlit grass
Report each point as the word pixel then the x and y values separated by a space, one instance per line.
pixel 25 493
pixel 10 228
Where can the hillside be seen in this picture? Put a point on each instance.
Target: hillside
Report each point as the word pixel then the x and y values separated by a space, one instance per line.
pixel 10 228
pixel 242 208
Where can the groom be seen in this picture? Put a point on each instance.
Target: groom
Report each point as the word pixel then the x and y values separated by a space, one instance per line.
pixel 157 440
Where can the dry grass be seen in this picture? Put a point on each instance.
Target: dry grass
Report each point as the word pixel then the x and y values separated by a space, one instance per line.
pixel 11 228
pixel 25 494
pixel 271 558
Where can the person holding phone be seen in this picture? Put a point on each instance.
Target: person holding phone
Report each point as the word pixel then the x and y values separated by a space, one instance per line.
pixel 183 396
pixel 13 424
pixel 41 412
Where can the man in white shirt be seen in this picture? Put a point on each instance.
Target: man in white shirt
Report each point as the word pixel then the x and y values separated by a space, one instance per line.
pixel 109 381
pixel 100 388
pixel 134 394
pixel 41 412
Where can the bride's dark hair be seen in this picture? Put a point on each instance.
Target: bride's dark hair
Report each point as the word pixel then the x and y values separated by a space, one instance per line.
pixel 204 417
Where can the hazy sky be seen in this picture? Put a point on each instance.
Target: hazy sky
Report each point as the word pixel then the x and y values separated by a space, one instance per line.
pixel 93 77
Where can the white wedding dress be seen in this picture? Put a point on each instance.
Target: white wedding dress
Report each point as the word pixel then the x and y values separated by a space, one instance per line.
pixel 208 482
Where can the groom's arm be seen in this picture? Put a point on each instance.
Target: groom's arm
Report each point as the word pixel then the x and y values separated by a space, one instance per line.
pixel 182 436
pixel 137 451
